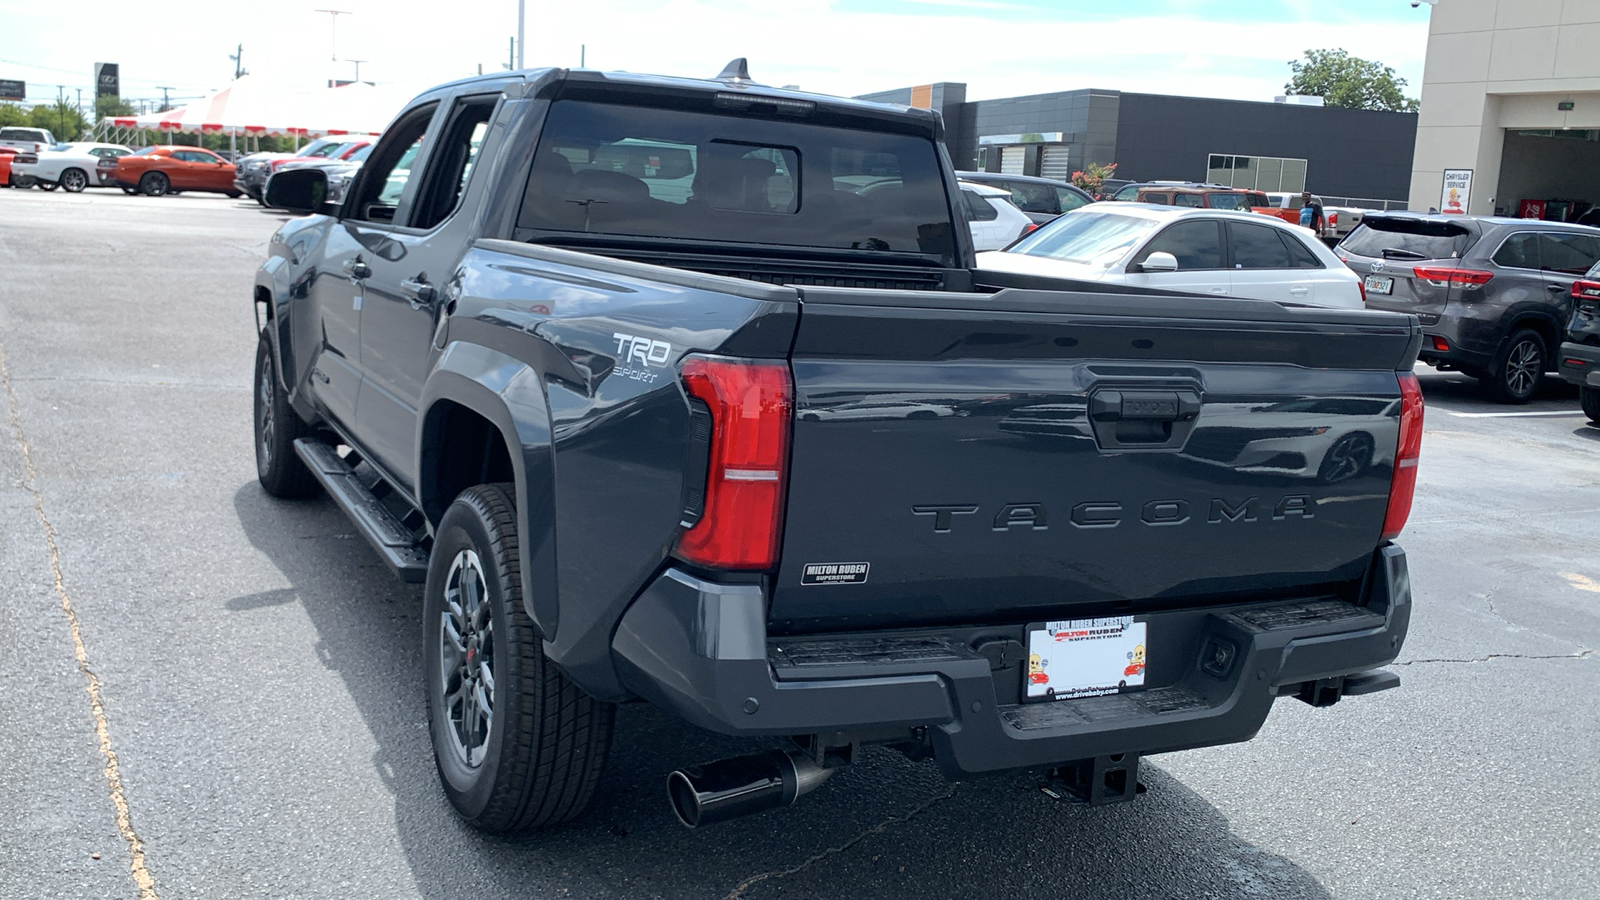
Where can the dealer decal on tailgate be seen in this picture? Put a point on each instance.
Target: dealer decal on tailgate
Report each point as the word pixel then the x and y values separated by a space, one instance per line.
pixel 835 573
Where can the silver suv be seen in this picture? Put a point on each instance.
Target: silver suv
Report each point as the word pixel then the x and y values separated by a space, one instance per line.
pixel 1493 294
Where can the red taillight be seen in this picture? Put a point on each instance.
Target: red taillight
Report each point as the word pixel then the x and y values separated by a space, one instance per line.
pixel 751 403
pixel 1586 290
pixel 1442 276
pixel 1362 283
pixel 1440 344
pixel 1407 452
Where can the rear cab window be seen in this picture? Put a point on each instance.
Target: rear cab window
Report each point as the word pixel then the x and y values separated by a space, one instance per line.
pixel 643 173
pixel 1404 238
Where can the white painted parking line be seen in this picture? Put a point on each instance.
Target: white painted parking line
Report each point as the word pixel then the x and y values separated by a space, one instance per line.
pixel 1512 415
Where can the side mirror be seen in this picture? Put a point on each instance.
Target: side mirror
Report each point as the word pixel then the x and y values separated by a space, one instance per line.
pixel 1158 262
pixel 299 191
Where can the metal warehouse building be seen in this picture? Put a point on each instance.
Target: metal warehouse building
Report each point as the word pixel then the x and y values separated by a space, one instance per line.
pixel 1338 153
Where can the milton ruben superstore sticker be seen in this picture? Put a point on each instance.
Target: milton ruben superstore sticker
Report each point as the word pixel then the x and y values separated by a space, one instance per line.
pixel 835 573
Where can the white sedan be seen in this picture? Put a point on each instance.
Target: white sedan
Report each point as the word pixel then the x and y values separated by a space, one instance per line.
pixel 1197 251
pixel 72 167
pixel 994 219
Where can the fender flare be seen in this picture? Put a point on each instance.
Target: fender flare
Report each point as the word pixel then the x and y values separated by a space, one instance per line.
pixel 508 393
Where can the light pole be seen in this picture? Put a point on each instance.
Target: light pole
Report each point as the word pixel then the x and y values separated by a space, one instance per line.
pixel 521 19
pixel 358 63
pixel 333 29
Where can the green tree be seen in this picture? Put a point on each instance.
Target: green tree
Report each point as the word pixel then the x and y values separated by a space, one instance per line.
pixel 61 118
pixel 1349 82
pixel 12 114
pixel 107 106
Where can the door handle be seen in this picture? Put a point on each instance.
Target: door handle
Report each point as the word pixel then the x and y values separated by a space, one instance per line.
pixel 357 269
pixel 1299 290
pixel 1555 288
pixel 420 292
pixel 1218 290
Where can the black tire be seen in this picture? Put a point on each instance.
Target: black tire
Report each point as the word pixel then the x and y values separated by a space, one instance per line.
pixel 1349 456
pixel 73 181
pixel 154 184
pixel 47 185
pixel 538 758
pixel 277 426
pixel 1518 368
pixel 234 195
pixel 1589 399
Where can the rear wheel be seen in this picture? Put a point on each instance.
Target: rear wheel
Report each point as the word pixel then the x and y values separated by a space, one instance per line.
pixel 74 180
pixel 234 195
pixel 1517 370
pixel 517 744
pixel 1589 399
pixel 47 185
pixel 154 184
pixel 277 427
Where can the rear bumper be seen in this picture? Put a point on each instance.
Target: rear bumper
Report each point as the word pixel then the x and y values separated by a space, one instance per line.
pixel 1580 364
pixel 700 650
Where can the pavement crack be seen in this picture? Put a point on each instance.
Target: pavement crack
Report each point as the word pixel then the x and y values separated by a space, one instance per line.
pixel 738 892
pixel 102 726
pixel 1582 654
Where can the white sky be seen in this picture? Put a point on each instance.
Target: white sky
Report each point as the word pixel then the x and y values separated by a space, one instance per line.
pixel 999 48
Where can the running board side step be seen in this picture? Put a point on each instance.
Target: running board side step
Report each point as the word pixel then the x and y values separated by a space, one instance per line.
pixel 395 543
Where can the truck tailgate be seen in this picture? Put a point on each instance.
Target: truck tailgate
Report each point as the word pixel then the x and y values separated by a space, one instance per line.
pixel 1029 455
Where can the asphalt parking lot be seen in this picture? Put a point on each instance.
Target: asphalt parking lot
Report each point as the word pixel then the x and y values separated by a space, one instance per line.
pixel 207 693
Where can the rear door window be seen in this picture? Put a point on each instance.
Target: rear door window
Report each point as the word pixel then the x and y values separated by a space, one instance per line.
pixel 1258 247
pixel 1067 201
pixel 1229 201
pixel 1034 198
pixel 1196 244
pixel 979 209
pixel 1193 201
pixel 1519 251
pixel 1567 253
pixel 450 164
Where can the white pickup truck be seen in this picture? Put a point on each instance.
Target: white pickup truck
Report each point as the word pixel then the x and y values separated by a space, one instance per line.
pixel 27 140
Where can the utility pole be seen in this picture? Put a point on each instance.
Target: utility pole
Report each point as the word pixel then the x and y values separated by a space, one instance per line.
pixel 164 104
pixel 239 70
pixel 521 19
pixel 61 112
pixel 333 29
pixel 511 55
pixel 583 55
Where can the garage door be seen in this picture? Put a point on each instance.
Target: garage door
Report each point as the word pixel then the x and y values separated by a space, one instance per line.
pixel 1056 164
pixel 1550 174
pixel 1012 159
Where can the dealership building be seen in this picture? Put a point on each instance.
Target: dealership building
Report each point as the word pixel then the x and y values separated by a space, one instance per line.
pixel 1510 118
pixel 1272 146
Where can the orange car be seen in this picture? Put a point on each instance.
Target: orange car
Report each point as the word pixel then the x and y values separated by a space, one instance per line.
pixel 6 155
pixel 171 170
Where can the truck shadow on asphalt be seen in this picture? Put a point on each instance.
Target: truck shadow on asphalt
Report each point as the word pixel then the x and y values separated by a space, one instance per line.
pixel 886 827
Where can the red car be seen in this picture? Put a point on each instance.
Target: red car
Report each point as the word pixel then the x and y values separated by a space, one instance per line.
pixel 6 154
pixel 172 170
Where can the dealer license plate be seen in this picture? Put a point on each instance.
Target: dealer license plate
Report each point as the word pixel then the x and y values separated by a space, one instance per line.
pixel 1380 284
pixel 1084 658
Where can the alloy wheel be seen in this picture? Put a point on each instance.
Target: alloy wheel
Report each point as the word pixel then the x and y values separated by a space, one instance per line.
pixel 267 428
pixel 1524 365
pixel 466 658
pixel 74 181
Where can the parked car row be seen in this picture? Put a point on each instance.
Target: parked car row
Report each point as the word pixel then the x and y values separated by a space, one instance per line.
pixel 255 169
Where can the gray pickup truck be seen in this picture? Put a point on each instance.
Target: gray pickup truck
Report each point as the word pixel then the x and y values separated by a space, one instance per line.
pixel 685 392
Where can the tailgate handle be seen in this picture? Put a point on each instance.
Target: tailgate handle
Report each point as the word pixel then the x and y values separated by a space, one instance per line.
pixel 1150 420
